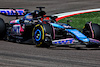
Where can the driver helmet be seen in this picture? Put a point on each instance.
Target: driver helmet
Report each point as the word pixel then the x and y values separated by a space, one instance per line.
pixel 35 14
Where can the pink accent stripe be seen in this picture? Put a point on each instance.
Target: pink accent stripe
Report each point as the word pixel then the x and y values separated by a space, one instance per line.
pixel 53 32
pixel 21 29
pixel 17 24
pixel 91 30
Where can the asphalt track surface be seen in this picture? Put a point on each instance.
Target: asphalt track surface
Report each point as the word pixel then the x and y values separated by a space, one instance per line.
pixel 24 55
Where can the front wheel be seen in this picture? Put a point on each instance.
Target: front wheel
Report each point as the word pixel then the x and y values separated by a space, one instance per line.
pixel 38 36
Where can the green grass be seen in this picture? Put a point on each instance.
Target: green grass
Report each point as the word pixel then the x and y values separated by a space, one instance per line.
pixel 78 21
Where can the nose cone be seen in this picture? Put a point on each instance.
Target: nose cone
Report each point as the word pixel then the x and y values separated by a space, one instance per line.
pixel 84 39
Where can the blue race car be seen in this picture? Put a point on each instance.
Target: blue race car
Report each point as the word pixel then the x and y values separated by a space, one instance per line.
pixel 43 30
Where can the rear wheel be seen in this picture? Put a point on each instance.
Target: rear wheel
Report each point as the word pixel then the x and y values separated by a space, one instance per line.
pixel 2 28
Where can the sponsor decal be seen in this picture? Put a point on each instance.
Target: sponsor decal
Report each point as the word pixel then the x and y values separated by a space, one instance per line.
pixel 16 29
pixel 11 12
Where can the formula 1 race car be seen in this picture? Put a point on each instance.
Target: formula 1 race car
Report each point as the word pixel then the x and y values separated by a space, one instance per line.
pixel 45 31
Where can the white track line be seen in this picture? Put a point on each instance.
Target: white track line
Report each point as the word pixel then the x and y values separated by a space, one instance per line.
pixel 67 14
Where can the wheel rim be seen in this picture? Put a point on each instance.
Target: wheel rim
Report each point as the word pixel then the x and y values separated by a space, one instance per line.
pixel 37 35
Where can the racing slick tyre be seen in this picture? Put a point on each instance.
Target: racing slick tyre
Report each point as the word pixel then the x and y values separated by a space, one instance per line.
pixel 2 28
pixel 38 36
pixel 96 31
pixel 92 30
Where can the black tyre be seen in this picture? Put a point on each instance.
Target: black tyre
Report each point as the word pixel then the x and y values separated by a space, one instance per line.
pixel 38 35
pixel 92 30
pixel 96 31
pixel 2 28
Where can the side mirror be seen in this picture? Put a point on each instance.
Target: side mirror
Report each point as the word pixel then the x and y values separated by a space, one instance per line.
pixel 69 21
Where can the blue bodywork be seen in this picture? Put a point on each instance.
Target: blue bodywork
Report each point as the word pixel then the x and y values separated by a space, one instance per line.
pixel 78 35
pixel 56 25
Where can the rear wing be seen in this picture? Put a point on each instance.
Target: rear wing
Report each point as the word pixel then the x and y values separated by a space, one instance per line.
pixel 13 12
